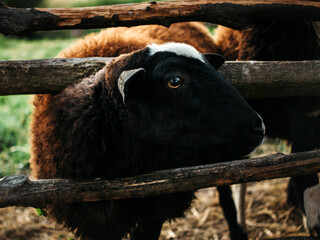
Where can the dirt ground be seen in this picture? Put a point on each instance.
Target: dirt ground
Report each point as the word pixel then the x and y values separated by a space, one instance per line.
pixel 267 216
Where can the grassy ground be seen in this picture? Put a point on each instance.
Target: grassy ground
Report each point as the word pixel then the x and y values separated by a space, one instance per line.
pixel 64 3
pixel 12 48
pixel 86 3
pixel 15 110
pixel 14 120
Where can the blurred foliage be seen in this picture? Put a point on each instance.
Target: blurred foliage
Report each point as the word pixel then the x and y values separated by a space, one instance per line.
pixel 271 146
pixel 64 3
pixel 23 3
pixel 12 48
pixel 41 212
pixel 85 3
pixel 15 110
pixel 14 122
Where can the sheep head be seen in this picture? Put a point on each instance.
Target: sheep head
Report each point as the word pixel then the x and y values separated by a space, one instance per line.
pixel 172 95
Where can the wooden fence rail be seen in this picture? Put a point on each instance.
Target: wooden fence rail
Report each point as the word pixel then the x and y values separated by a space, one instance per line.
pixel 237 14
pixel 18 190
pixel 253 79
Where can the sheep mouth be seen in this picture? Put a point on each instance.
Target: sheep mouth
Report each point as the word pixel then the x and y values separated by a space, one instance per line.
pixel 244 150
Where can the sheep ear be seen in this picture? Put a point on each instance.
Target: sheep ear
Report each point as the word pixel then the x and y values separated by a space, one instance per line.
pixel 215 60
pixel 126 82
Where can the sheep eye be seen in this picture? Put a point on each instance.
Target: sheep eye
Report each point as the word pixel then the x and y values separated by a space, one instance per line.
pixel 175 82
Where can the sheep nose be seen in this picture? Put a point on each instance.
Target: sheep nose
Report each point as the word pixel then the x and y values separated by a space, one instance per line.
pixel 261 130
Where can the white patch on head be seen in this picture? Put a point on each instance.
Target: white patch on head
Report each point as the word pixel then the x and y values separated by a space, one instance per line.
pixel 181 49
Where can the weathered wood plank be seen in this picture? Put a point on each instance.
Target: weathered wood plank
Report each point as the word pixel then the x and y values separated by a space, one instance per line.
pixel 263 79
pixel 18 190
pixel 237 14
pixel 253 79
pixel 45 76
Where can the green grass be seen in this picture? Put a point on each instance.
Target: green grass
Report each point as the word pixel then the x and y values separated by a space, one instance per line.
pixel 15 48
pixel 86 3
pixel 15 110
pixel 14 121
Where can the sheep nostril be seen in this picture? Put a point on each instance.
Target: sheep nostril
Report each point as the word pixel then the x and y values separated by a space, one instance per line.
pixel 262 129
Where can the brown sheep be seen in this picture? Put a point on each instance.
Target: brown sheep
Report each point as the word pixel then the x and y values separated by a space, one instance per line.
pixel 107 127
pixel 115 41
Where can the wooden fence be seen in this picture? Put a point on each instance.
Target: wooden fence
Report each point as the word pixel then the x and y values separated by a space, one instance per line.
pixel 253 79
pixel 237 14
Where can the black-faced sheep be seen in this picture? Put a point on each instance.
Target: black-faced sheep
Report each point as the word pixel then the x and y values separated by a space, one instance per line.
pixel 160 107
pixel 293 118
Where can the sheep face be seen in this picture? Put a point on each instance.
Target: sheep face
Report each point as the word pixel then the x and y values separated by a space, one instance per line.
pixel 176 99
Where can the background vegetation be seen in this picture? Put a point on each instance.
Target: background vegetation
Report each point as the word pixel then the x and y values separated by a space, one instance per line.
pixel 15 110
pixel 63 3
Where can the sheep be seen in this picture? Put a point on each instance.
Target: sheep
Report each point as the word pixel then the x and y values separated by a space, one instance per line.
pixel 296 119
pixel 112 42
pixel 115 41
pixel 158 107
